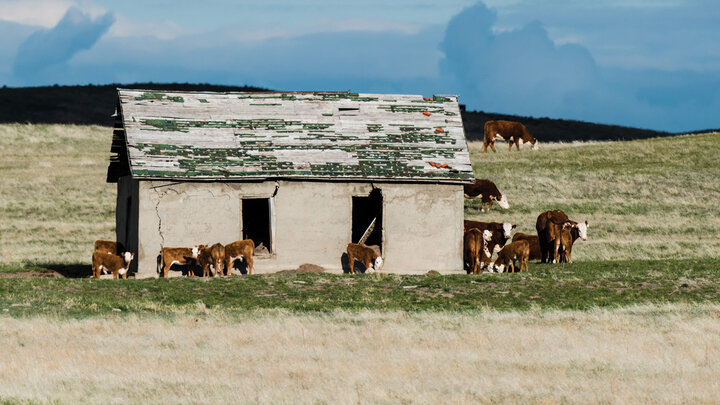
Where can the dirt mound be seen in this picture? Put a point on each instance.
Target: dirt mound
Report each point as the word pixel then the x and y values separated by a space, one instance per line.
pixel 305 268
pixel 33 274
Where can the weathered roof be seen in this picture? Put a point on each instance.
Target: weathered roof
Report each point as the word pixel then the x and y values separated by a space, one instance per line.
pixel 335 135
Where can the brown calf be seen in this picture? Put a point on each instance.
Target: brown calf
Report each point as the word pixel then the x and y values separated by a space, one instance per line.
pixel 518 250
pixel 476 254
pixel 549 227
pixel 211 256
pixel 240 249
pixel 487 191
pixel 108 246
pixel 177 255
pixel 512 131
pixel 534 242
pixel 365 255
pixel 111 263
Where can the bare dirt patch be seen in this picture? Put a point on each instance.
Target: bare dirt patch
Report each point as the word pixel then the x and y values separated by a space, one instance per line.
pixel 304 269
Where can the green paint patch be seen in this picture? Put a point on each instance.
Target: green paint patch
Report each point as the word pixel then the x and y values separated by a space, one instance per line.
pixel 151 95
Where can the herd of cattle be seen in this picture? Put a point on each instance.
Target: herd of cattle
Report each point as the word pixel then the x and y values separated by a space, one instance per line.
pixel 218 260
pixel 556 234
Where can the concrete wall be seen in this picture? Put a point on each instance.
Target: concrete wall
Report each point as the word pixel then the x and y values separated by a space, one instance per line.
pixel 422 223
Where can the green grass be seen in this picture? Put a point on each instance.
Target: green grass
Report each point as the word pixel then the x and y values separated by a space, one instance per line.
pixel 581 285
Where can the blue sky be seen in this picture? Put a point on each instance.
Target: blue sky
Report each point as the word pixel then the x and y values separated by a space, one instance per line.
pixel 650 64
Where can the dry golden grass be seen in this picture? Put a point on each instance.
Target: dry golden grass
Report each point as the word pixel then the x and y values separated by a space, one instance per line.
pixel 666 354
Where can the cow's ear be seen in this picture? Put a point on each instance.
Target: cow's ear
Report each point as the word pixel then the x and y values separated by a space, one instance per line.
pixel 567 225
pixel 514 226
pixel 586 223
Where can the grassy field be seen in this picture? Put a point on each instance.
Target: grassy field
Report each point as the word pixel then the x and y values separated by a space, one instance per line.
pixel 646 354
pixel 634 319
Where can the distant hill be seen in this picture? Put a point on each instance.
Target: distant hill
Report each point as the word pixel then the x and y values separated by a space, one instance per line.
pixel 91 104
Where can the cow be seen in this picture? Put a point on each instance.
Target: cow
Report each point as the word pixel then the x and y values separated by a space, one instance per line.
pixel 108 246
pixel 549 226
pixel 518 250
pixel 365 255
pixel 568 238
pixel 475 249
pixel 178 255
pixel 487 192
pixel 501 232
pixel 534 242
pixel 211 256
pixel 240 249
pixel 111 263
pixel 511 131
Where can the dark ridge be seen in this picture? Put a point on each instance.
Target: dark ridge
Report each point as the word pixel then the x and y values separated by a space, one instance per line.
pixel 82 105
pixel 94 105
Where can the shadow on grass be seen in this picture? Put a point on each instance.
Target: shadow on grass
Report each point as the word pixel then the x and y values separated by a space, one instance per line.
pixel 69 270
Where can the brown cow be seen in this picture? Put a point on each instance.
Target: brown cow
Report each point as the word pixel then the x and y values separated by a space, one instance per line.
pixel 511 131
pixel 108 246
pixel 487 191
pixel 568 238
pixel 111 263
pixel 549 226
pixel 475 249
pixel 211 256
pixel 501 232
pixel 534 242
pixel 365 255
pixel 518 250
pixel 240 249
pixel 177 255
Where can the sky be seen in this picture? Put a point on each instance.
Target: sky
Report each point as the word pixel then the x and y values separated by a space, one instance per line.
pixel 644 63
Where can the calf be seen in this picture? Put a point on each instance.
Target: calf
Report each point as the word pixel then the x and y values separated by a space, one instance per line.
pixel 549 226
pixel 177 255
pixel 568 238
pixel 240 249
pixel 518 250
pixel 211 256
pixel 487 191
pixel 512 131
pixel 475 249
pixel 108 246
pixel 111 263
pixel 365 255
pixel 534 242
pixel 501 232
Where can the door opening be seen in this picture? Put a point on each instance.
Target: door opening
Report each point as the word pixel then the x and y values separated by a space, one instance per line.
pixel 257 223
pixel 367 219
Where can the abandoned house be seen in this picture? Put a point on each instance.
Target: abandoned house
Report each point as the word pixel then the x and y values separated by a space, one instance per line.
pixel 301 173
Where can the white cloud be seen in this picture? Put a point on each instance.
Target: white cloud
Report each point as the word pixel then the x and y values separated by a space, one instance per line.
pixel 43 13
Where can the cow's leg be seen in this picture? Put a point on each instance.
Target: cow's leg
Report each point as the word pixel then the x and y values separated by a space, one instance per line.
pixel 517 145
pixel 490 206
pixel 249 260
pixel 115 273
pixel 556 247
pixel 485 145
pixel 492 146
pixel 351 262
pixel 510 146
pixel 482 206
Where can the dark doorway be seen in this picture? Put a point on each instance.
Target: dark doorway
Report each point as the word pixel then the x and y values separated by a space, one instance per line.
pixel 256 219
pixel 365 210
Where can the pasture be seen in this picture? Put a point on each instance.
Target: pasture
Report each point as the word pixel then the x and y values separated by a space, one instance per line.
pixel 632 320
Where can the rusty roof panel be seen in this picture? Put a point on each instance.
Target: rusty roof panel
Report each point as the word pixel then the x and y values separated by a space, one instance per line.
pixel 202 135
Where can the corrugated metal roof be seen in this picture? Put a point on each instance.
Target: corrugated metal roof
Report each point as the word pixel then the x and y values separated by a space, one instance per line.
pixel 244 136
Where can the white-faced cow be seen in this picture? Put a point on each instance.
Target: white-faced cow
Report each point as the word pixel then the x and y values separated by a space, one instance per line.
pixel 183 256
pixel 501 232
pixel 365 255
pixel 511 131
pixel 111 263
pixel 211 256
pixel 476 253
pixel 487 192
pixel 549 228
pixel 518 250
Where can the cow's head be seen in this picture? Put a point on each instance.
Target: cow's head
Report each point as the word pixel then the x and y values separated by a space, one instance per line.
pixel 377 264
pixel 502 202
pixel 535 144
pixel 507 229
pixel 487 235
pixel 195 251
pixel 128 257
pixel 582 229
pixel 499 268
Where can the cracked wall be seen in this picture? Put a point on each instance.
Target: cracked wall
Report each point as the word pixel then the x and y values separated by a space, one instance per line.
pixel 422 223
